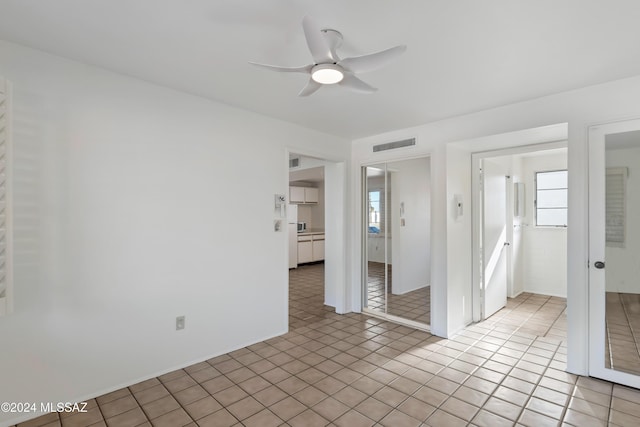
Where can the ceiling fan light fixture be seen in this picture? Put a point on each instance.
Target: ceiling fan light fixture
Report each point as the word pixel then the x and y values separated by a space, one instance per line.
pixel 327 74
pixel 328 68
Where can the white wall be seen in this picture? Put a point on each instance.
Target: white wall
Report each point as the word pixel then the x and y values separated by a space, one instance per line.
pixel 516 286
pixel 318 209
pixel 335 245
pixel 623 264
pixel 410 184
pixel 492 129
pixel 544 251
pixel 123 222
pixel 304 215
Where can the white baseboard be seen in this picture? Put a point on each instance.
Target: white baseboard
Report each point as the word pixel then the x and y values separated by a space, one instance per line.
pixel 410 290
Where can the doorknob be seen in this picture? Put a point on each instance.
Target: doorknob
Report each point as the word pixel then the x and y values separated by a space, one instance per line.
pixel 598 264
pixel 507 244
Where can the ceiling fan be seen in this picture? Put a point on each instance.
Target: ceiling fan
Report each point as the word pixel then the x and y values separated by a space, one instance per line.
pixel 328 68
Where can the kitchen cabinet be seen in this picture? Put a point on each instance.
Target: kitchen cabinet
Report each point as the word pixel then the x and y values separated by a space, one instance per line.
pixel 310 247
pixel 305 249
pixel 296 194
pixel 303 195
pixel 310 195
pixel 318 247
pixel 375 246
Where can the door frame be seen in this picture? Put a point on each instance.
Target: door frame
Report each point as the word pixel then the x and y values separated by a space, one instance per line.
pixel 476 206
pixel 335 273
pixel 596 252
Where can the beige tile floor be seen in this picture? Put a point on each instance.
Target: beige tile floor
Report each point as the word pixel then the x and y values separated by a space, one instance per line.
pixel 414 305
pixel 623 332
pixel 352 370
pixel 306 295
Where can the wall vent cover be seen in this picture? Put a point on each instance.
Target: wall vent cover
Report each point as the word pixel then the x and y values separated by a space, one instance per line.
pixel 294 163
pixel 393 145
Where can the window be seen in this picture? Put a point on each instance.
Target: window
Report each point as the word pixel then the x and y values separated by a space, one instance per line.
pixel 374 212
pixel 551 198
pixel 616 200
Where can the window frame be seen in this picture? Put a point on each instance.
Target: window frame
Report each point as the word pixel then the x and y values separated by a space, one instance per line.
pixel 379 201
pixel 535 198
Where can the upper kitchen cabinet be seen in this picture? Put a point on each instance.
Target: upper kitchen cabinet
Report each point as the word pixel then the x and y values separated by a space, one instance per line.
pixel 296 194
pixel 303 195
pixel 310 195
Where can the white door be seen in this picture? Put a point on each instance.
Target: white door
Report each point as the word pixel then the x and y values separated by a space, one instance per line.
pixel 614 243
pixel 494 237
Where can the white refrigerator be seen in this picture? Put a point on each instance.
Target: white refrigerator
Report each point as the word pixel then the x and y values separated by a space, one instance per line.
pixel 292 220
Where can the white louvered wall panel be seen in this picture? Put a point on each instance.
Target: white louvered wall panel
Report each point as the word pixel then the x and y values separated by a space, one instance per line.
pixel 616 206
pixel 5 202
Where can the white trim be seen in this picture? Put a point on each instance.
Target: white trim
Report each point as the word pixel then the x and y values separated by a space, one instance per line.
pixel 548 294
pixel 413 289
pixel 397 319
pixel 597 244
pixel 518 294
pixel 335 273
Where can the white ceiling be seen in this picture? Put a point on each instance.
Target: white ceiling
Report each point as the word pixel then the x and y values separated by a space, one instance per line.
pixel 623 140
pixel 463 56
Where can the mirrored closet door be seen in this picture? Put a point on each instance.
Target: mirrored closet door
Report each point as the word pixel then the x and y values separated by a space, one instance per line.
pixel 396 244
pixel 614 246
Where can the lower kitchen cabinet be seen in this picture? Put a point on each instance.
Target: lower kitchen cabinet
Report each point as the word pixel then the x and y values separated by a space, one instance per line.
pixel 318 248
pixel 310 248
pixel 305 249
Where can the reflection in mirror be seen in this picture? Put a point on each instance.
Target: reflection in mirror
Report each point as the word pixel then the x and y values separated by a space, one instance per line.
pixel 409 294
pixel 375 221
pixel 397 220
pixel 622 254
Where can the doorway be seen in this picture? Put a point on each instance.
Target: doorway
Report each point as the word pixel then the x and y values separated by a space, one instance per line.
pixel 520 228
pixel 396 261
pixel 315 255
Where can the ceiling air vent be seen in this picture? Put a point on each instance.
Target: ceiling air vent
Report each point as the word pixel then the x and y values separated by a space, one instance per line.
pixel 294 163
pixel 393 145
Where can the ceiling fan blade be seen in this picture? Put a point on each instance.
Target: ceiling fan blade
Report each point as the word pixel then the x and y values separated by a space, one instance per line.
pixel 362 64
pixel 310 88
pixel 352 82
pixel 305 69
pixel 318 46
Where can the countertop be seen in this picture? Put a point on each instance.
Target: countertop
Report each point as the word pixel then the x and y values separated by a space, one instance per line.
pixel 311 231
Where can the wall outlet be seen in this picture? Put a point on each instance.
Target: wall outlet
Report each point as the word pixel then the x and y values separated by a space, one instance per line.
pixel 179 323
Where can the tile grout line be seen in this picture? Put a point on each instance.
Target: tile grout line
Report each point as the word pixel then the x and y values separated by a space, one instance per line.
pixel 530 395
